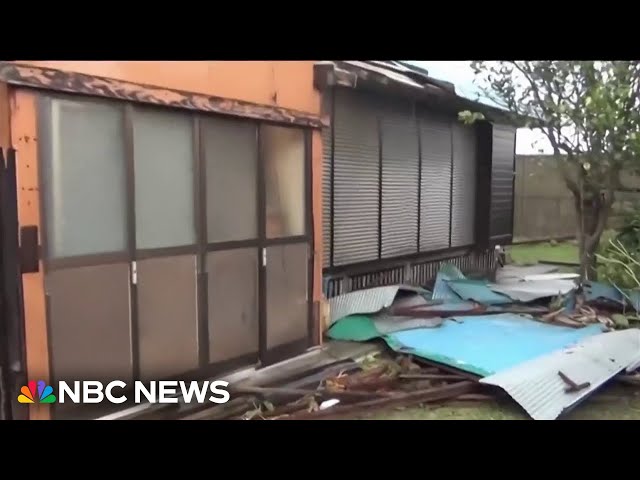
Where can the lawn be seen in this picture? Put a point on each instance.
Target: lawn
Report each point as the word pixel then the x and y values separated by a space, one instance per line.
pixel 530 254
pixel 613 402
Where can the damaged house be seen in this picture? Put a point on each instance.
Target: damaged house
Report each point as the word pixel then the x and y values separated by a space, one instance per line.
pixel 405 183
pixel 182 220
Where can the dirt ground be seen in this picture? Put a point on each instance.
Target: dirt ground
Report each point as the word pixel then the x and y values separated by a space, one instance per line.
pixel 613 402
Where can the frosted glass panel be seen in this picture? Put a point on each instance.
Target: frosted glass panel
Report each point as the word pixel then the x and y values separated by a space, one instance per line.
pixel 231 152
pixel 84 179
pixel 164 169
pixel 287 295
pixel 283 152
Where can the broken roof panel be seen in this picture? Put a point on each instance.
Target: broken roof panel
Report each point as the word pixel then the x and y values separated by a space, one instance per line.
pixel 478 291
pixel 387 72
pixel 406 80
pixel 441 289
pixel 510 273
pixel 487 344
pixel 522 291
pixel 386 323
pixel 371 300
pixel 601 291
pixel 537 386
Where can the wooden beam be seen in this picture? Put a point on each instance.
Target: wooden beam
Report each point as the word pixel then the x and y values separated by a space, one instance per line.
pixel 79 83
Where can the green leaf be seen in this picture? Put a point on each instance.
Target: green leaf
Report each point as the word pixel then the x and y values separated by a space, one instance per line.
pixel 620 320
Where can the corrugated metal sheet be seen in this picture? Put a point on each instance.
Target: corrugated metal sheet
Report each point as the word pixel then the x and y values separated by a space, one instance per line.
pixel 327 105
pixel 400 176
pixel 487 344
pixel 410 301
pixel 528 291
pixel 478 291
pixel 464 186
pixel 502 171
pixel 441 289
pixel 371 300
pixel 546 277
pixel 395 76
pixel 601 291
pixel 356 173
pixel 511 273
pixel 538 388
pixel 435 201
pixel 633 298
pixel 386 324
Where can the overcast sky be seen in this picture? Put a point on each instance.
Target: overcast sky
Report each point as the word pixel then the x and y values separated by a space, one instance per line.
pixel 460 74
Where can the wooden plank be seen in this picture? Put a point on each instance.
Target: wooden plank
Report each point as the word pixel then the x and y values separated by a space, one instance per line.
pixel 79 83
pixel 402 400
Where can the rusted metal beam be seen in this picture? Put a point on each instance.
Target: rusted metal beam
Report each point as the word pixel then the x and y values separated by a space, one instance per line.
pixel 79 83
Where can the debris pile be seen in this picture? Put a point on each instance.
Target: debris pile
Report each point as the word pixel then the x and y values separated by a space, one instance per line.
pixel 352 389
pixel 539 336
pixel 529 327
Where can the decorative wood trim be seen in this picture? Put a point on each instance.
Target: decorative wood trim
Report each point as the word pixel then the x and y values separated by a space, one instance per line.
pixel 79 83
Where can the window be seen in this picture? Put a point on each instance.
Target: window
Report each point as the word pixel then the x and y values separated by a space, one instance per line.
pixel 283 153
pixel 231 155
pixel 86 168
pixel 164 179
pixel 85 179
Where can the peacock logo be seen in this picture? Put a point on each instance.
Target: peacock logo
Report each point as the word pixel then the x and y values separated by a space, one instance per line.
pixel 44 393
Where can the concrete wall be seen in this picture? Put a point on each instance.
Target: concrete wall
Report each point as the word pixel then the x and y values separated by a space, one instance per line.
pixel 544 206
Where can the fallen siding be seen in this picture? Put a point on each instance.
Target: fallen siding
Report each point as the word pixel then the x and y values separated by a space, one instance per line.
pixel 540 390
pixel 371 300
pixel 522 291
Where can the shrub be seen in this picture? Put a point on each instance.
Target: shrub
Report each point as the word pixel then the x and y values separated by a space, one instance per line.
pixel 619 257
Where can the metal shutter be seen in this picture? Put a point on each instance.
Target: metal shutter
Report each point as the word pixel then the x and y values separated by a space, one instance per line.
pixel 464 185
pixel 502 168
pixel 435 195
pixel 356 177
pixel 400 178
pixel 326 181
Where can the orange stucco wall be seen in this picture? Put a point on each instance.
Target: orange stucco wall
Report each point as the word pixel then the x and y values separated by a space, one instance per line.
pixel 24 140
pixel 287 84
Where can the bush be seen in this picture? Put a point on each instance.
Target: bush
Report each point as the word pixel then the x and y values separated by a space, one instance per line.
pixel 619 254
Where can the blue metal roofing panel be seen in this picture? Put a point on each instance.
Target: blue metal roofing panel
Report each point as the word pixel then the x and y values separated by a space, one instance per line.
pixel 602 291
pixel 441 289
pixel 633 297
pixel 539 389
pixel 487 344
pixel 477 291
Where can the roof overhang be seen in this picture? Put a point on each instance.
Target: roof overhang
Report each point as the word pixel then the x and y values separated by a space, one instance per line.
pixel 415 85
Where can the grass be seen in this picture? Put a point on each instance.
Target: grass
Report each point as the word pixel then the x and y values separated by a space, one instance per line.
pixel 530 254
pixel 613 402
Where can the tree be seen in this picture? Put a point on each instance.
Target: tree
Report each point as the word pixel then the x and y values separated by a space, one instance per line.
pixel 590 112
